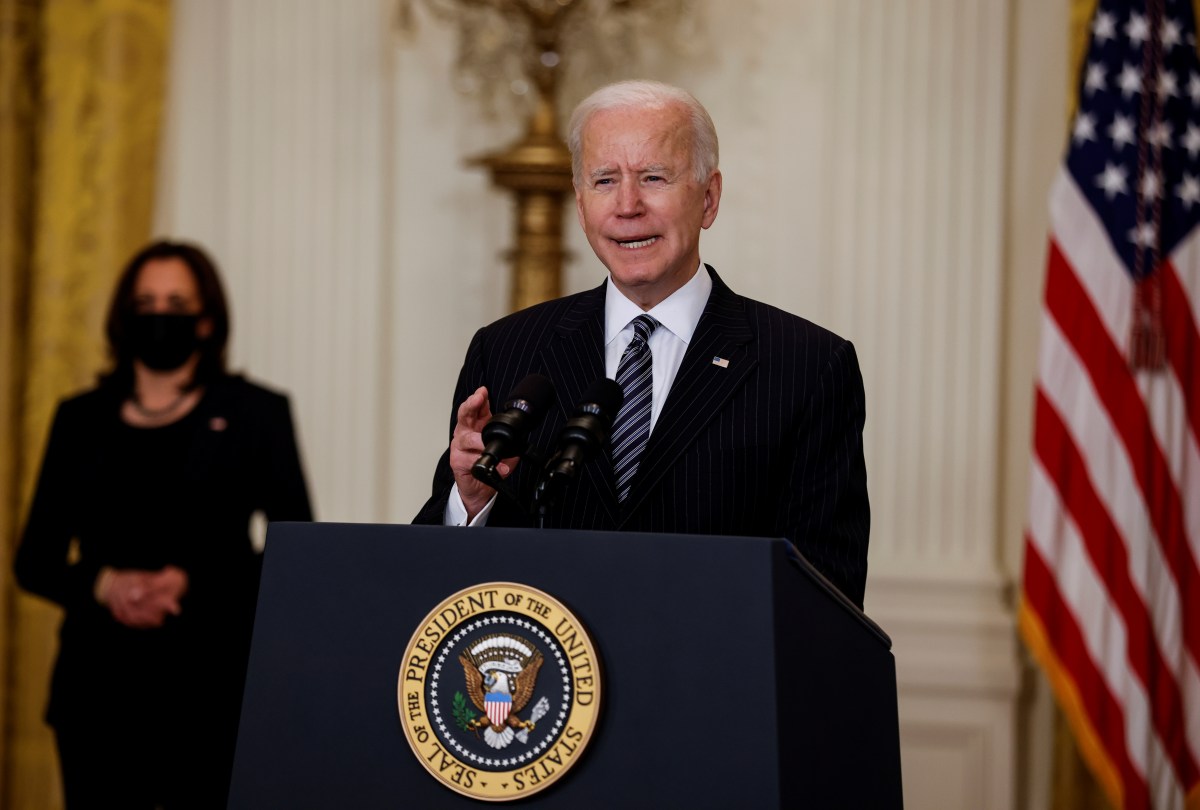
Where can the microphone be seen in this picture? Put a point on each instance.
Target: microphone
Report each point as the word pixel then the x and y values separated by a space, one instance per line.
pixel 586 431
pixel 506 433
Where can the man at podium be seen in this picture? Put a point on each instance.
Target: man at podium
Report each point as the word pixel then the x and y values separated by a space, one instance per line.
pixel 731 417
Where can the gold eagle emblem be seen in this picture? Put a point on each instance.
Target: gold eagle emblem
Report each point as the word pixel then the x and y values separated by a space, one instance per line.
pixel 501 673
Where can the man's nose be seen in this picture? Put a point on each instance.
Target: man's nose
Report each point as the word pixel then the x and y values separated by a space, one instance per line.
pixel 629 200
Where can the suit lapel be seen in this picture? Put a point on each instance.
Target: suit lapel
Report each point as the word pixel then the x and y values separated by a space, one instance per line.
pixel 574 360
pixel 575 357
pixel 701 387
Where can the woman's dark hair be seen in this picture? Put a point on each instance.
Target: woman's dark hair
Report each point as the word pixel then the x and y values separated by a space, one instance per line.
pixel 123 309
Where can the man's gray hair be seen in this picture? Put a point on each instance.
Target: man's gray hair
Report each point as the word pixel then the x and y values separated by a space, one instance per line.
pixel 645 94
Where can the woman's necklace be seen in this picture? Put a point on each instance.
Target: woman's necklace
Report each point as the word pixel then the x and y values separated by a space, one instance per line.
pixel 158 413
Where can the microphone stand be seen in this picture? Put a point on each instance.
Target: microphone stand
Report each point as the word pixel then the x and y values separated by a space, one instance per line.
pixel 542 502
pixel 561 469
pixel 545 496
pixel 488 475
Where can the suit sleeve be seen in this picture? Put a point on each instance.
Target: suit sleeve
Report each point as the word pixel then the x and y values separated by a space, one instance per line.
pixel 828 516
pixel 41 564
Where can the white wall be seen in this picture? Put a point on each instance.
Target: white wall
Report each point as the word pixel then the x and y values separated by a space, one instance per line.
pixel 876 181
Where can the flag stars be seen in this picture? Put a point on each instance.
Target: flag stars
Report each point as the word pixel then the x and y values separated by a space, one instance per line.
pixel 1172 34
pixel 1121 131
pixel 1104 27
pixel 1144 235
pixel 1151 186
pixel 1113 180
pixel 1160 135
pixel 1096 80
pixel 1137 29
pixel 1191 140
pixel 1085 128
pixel 1130 80
pixel 1188 191
pixel 1168 86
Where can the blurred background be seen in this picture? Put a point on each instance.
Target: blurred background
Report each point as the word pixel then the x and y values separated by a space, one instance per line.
pixel 886 165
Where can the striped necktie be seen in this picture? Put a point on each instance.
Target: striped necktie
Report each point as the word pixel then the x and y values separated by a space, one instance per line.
pixel 631 428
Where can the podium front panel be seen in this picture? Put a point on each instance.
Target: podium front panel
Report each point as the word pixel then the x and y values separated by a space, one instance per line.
pixel 685 628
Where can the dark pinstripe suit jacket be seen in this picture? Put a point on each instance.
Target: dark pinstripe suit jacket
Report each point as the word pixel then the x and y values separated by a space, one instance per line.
pixel 770 445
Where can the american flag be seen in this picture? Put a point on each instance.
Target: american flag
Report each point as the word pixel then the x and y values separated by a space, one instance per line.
pixel 1111 594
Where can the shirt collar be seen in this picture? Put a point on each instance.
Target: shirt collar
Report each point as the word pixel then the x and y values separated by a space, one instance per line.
pixel 679 313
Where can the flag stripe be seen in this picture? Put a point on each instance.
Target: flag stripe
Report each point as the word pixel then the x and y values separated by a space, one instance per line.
pixel 1102 710
pixel 1081 237
pixel 1068 388
pixel 1081 588
pixel 1084 244
pixel 1091 746
pixel 1106 549
pixel 1183 347
pixel 1077 319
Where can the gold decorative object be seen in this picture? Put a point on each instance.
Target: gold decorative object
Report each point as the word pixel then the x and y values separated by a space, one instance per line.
pixel 506 44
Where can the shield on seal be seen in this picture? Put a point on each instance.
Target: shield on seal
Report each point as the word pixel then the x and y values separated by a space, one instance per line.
pixel 498 706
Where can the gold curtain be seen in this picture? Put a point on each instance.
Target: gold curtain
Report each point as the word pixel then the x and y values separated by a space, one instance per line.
pixel 81 99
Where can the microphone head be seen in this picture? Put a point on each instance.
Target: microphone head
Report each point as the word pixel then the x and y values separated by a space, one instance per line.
pixel 533 395
pixel 587 429
pixel 603 398
pixel 582 437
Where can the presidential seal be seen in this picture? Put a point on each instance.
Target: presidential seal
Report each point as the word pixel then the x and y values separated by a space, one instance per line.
pixel 499 691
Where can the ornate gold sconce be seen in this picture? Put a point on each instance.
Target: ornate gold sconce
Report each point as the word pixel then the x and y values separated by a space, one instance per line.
pixel 503 46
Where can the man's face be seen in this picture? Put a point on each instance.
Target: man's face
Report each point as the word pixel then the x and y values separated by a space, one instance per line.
pixel 639 202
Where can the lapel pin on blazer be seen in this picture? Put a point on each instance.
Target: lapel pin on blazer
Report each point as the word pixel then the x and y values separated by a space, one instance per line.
pixel 720 361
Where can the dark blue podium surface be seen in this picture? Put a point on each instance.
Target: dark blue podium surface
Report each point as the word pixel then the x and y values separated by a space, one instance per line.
pixel 733 675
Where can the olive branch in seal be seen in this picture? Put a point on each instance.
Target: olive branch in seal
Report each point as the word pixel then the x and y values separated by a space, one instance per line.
pixel 462 713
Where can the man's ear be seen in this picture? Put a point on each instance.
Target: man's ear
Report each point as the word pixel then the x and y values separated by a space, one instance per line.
pixel 712 199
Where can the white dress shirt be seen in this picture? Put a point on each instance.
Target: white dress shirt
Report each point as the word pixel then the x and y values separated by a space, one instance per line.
pixel 677 316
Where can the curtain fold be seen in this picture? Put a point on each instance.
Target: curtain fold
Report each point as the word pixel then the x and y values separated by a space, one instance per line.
pixel 81 104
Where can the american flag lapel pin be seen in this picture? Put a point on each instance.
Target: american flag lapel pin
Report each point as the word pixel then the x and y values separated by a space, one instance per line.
pixel 720 361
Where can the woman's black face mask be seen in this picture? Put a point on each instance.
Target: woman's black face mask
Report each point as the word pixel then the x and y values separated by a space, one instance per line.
pixel 164 342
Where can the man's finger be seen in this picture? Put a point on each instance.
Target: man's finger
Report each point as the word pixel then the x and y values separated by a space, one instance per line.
pixel 475 411
pixel 506 466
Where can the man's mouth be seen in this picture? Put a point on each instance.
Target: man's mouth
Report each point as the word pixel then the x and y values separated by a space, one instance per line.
pixel 633 244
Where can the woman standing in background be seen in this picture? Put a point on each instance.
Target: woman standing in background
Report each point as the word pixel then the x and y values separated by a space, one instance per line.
pixel 139 529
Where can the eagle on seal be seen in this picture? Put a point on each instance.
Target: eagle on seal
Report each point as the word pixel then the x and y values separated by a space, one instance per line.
pixel 500 689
